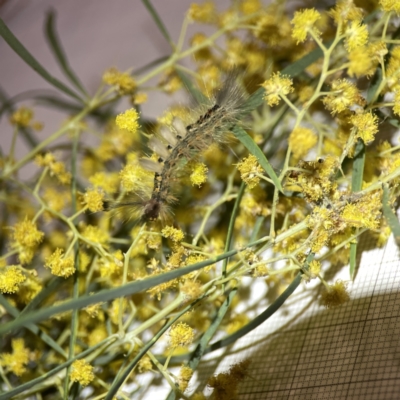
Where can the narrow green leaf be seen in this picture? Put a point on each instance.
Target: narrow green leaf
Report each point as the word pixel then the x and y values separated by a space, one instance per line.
pixel 7 104
pixel 255 100
pixel 258 320
pixel 256 229
pixel 74 324
pixel 56 47
pixel 151 64
pixel 358 166
pixel 228 242
pixel 394 122
pixel 51 287
pixel 353 259
pixel 110 294
pixel 300 65
pixel 253 148
pixel 188 84
pixel 390 216
pixel 356 185
pixel 18 47
pixel 158 21
pixel 374 86
pixel 33 328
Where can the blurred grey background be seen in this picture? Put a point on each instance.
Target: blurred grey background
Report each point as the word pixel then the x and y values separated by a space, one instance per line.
pixel 96 35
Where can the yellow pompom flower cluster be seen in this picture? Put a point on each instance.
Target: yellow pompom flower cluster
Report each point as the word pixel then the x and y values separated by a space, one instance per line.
pixel 57 168
pixel 25 238
pixel 123 82
pixel 204 13
pixel 364 212
pixel 172 233
pixel 335 295
pixel 343 95
pixel 95 234
pixel 134 177
pixel 345 11
pixel 180 335
pixel 301 141
pixel 60 265
pixel 249 168
pixel 185 374
pixel 81 372
pixel 367 126
pixel 22 117
pixel 93 199
pixel 276 87
pixel 199 174
pixel 303 23
pixel 16 361
pixel 356 35
pixel 226 384
pixel 128 120
pixel 390 5
pixel 11 278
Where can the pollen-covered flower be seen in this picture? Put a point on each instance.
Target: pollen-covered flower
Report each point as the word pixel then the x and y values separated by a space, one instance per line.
pixel 393 70
pixel 93 199
pixel 396 107
pixel 107 181
pixel 185 374
pixel 11 278
pixel 346 10
pixel 172 233
pixel 225 384
pixel 22 117
pixel 124 83
pixel 367 126
pixel 249 168
pixel 60 265
pixel 365 212
pixel 314 268
pixel 191 289
pixel 390 5
pixel 301 140
pixel 362 61
pixel 248 7
pixel 95 234
pixel 81 372
pixel 276 86
pixel 204 13
pixel 16 361
pixel 304 22
pixel 133 176
pixel 145 364
pixel 335 295
pixel 139 98
pixel 128 120
pixel 25 238
pixel 180 335
pixel 356 35
pixel 199 174
pixel 343 95
pixel 57 168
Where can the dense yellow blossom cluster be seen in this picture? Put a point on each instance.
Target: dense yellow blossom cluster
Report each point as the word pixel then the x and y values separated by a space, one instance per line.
pixel 131 229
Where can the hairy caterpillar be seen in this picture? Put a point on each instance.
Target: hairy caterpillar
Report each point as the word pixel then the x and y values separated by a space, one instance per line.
pixel 180 144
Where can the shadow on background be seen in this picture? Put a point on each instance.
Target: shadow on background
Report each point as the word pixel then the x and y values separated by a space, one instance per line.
pixel 352 352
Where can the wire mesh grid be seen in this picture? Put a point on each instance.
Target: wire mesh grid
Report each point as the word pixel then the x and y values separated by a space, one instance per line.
pixel 307 352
